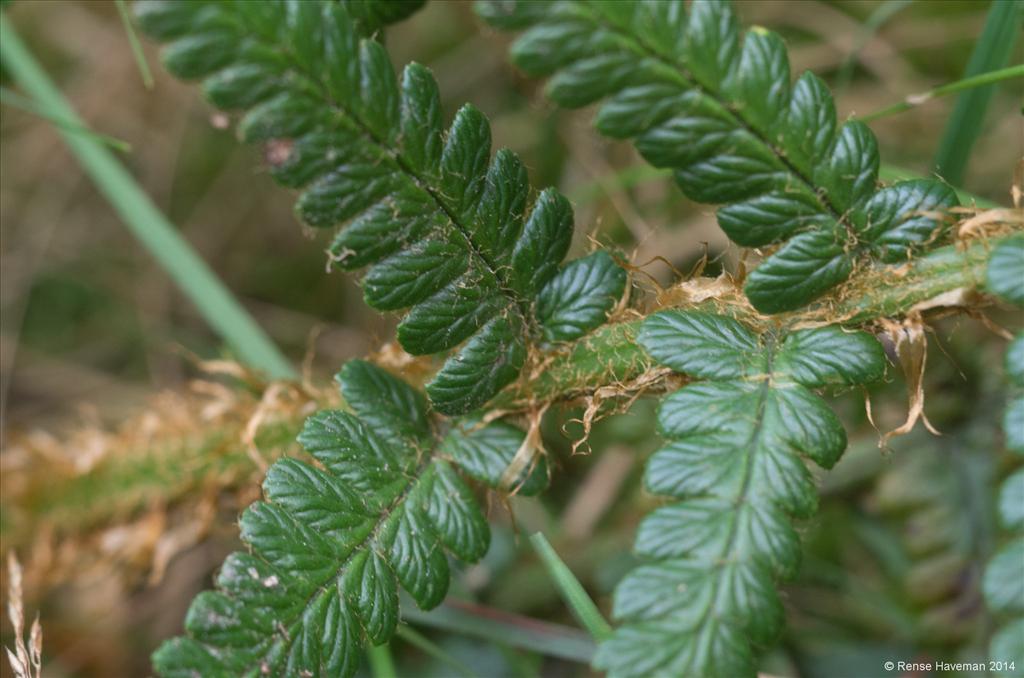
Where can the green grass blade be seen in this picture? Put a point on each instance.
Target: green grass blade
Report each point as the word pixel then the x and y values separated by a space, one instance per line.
pixel 191 274
pixel 15 100
pixel 505 628
pixel 133 40
pixel 878 18
pixel 571 589
pixel 628 177
pixel 636 175
pixel 418 640
pixel 981 80
pixel 992 51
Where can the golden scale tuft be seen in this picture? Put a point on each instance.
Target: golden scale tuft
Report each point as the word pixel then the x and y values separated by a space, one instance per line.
pixel 133 497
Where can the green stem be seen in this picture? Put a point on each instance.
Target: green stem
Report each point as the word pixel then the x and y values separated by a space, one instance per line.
pixel 153 462
pixel 572 591
pixel 992 51
pixel 888 291
pixel 637 175
pixel 381 663
pixel 608 355
pixel 611 355
pixel 14 100
pixel 625 178
pixel 418 640
pixel 915 100
pixel 875 21
pixel 133 40
pixel 195 279
pixel 167 468
pixel 504 628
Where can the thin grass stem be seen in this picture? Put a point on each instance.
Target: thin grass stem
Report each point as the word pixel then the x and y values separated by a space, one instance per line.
pixel 572 591
pixel 428 647
pixel 991 52
pixel 133 40
pixel 191 274
pixel 15 100
pixel 504 628
pixel 915 100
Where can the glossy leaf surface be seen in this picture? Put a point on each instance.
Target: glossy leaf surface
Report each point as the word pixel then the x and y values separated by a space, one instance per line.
pixel 330 545
pixel 448 232
pixel 704 603
pixel 719 108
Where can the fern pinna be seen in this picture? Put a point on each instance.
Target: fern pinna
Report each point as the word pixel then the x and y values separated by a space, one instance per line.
pixel 1002 584
pixel 718 108
pixel 448 232
pixel 459 239
pixel 330 543
pixel 735 462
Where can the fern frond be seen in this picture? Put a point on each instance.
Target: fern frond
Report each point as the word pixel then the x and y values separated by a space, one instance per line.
pixel 925 495
pixel 330 544
pixel 719 109
pixel 447 232
pixel 706 600
pixel 1003 582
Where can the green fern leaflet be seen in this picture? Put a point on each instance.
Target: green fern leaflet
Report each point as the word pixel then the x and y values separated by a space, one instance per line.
pixel 706 602
pixel 1003 584
pixel 330 544
pixel 719 109
pixel 447 231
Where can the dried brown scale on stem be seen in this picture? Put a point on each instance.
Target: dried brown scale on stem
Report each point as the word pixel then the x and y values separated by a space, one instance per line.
pixel 947 278
pixel 622 396
pixel 571 372
pixel 909 343
pixel 948 282
pixel 155 485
